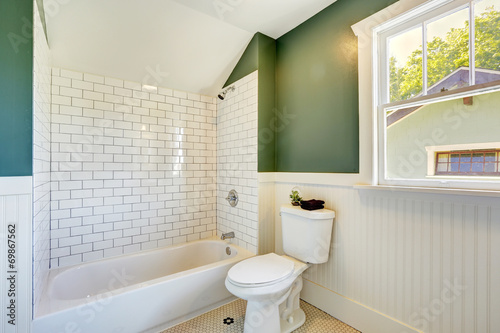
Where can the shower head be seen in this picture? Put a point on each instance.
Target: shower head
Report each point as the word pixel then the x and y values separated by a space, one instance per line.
pixel 222 95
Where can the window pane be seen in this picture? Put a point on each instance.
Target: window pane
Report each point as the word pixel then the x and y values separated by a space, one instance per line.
pixel 477 157
pixel 443 158
pixel 405 65
pixel 489 167
pixel 477 167
pixel 455 157
pixel 487 17
pixel 465 158
pixel 465 167
pixel 442 167
pixel 448 52
pixel 490 157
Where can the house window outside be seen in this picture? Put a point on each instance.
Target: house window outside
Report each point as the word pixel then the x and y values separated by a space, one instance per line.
pixel 438 84
pixel 468 163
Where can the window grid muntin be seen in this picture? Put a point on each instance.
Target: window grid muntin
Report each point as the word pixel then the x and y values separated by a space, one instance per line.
pixel 466 162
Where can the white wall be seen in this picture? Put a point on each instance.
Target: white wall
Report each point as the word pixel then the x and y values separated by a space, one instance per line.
pixel 41 157
pixel 237 162
pixel 131 170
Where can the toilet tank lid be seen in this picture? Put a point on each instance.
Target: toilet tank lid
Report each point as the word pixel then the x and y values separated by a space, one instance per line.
pixel 318 214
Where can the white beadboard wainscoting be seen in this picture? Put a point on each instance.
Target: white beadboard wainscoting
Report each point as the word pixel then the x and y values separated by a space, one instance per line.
pixel 405 262
pixel 266 216
pixel 15 286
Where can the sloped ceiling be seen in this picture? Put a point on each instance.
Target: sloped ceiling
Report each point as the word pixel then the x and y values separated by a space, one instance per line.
pixel 190 45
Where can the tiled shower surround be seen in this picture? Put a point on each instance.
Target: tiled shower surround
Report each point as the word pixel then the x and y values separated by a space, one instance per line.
pixel 131 169
pixel 237 162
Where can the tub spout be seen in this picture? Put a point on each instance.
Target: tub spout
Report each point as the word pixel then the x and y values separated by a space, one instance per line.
pixel 227 235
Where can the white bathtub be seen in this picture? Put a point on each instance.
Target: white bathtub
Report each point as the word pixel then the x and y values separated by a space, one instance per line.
pixel 143 292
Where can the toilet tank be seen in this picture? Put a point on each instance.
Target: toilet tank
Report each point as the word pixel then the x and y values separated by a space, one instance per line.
pixel 306 234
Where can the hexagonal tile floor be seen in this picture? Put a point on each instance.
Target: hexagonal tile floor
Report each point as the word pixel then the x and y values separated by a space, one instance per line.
pixel 230 318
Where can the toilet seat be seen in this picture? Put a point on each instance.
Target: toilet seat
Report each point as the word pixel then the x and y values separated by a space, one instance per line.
pixel 261 271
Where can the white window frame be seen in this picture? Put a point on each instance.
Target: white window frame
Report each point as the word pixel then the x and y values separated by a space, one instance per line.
pixel 372 95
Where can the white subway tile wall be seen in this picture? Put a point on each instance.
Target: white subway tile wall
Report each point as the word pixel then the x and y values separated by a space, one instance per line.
pixel 131 169
pixel 237 162
pixel 41 158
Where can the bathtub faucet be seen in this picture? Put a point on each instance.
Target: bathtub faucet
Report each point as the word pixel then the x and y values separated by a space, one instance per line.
pixel 227 235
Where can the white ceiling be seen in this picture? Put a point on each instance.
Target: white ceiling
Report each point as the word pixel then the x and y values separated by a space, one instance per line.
pixel 190 45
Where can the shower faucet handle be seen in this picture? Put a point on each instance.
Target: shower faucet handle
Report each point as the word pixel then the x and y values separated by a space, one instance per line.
pixel 232 198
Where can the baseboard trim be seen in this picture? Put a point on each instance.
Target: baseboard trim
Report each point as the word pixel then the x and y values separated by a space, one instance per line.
pixel 360 317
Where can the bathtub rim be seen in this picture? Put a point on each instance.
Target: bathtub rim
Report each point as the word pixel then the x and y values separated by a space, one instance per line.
pixel 50 305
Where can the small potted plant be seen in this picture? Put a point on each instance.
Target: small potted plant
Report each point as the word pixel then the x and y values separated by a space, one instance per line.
pixel 295 197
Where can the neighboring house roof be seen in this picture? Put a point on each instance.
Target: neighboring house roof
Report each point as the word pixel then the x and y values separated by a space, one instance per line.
pixel 456 79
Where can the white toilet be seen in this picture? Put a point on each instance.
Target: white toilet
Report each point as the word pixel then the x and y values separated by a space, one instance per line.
pixel 271 283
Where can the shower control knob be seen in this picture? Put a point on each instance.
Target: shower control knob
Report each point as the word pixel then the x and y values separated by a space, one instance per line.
pixel 232 198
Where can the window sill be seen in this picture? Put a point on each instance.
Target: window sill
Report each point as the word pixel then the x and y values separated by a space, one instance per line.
pixel 432 190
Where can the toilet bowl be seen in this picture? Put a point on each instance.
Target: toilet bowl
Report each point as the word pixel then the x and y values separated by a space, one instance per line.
pixel 271 283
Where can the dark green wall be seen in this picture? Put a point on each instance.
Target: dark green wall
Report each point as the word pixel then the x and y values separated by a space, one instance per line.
pixel 16 81
pixel 317 85
pixel 248 63
pixel 261 54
